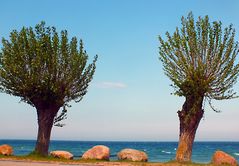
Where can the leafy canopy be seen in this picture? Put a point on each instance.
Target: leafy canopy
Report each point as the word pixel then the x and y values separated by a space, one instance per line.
pixel 200 59
pixel 43 68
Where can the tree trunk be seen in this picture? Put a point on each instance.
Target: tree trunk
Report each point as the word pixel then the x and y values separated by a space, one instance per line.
pixel 45 123
pixel 189 118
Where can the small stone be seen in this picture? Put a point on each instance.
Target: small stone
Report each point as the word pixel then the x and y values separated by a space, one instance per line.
pixel 62 154
pixel 6 150
pixel 221 157
pixel 99 152
pixel 132 155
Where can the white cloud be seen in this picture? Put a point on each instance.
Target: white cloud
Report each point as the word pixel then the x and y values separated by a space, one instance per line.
pixel 111 85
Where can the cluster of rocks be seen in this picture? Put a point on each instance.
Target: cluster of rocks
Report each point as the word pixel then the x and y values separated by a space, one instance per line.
pixel 101 152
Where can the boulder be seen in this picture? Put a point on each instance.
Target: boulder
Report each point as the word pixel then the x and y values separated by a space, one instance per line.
pixel 132 155
pixel 6 150
pixel 221 157
pixel 62 154
pixel 99 152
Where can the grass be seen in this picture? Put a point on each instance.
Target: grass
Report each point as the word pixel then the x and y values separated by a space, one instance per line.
pixel 34 157
pixel 173 162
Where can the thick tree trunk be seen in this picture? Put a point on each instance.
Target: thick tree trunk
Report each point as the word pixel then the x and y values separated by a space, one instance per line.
pixel 45 123
pixel 189 118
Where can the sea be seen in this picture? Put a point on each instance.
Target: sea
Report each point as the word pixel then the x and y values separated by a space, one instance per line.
pixel 156 151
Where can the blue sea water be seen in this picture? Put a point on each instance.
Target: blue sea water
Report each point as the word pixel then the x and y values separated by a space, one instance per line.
pixel 157 151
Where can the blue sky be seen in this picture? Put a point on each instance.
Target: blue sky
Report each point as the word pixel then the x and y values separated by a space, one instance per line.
pixel 129 98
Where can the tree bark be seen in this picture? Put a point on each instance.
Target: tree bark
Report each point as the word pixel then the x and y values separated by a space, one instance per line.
pixel 189 118
pixel 45 123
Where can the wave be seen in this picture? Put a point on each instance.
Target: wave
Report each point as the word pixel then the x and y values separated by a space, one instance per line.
pixel 237 154
pixel 167 152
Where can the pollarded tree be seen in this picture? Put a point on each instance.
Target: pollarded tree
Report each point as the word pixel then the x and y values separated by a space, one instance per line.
pixel 46 71
pixel 200 60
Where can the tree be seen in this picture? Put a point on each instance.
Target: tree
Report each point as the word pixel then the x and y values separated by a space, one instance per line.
pixel 200 60
pixel 46 71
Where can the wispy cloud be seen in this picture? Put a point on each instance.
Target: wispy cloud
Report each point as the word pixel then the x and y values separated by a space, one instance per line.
pixel 111 85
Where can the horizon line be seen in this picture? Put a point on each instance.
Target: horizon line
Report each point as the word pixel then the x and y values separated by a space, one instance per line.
pixel 21 139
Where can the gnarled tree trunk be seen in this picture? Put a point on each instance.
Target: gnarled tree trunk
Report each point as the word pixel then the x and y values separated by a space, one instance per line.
pixel 189 118
pixel 45 123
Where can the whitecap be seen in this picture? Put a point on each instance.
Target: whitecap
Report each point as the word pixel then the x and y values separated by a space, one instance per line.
pixel 163 151
pixel 237 154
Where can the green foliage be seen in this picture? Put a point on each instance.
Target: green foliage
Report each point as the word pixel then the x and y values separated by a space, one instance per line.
pixel 43 68
pixel 200 58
